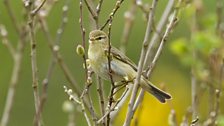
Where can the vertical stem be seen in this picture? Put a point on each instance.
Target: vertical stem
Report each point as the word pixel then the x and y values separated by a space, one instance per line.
pixel 129 20
pixel 33 57
pixel 101 97
pixel 194 96
pixel 219 13
pixel 51 67
pixel 159 29
pixel 17 55
pixel 12 88
pixel 130 112
pixel 83 35
pixel 111 99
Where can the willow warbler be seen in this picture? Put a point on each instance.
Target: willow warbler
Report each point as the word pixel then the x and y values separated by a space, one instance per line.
pixel 123 69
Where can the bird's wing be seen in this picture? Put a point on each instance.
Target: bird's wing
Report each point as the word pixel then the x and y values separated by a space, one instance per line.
pixel 121 57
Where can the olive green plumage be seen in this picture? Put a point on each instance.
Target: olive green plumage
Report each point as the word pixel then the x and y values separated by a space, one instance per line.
pixel 123 69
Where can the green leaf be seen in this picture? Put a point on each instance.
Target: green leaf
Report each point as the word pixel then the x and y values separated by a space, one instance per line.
pixel 205 42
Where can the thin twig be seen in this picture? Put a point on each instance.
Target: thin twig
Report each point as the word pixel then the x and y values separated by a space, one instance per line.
pixel 170 26
pixel 5 40
pixel 91 107
pixel 172 118
pixel 113 107
pixel 98 7
pixel 91 10
pixel 62 64
pixel 12 17
pixel 71 119
pixel 12 88
pixel 80 102
pixel 159 28
pixel 219 91
pixel 140 110
pixel 213 115
pixel 143 8
pixel 130 112
pixel 85 114
pixel 55 51
pixel 36 10
pixel 194 92
pixel 33 54
pixel 109 58
pixel 87 78
pixel 129 20
pixel 129 16
pixel 17 56
pixel 101 98
pixel 139 99
pixel 117 6
pixel 51 67
pixel 60 61
pixel 219 11
pixel 186 118
pixel 194 87
pixel 83 32
pixel 152 43
pixel 113 114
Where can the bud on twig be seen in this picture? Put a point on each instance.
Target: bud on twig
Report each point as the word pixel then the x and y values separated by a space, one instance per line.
pixel 80 50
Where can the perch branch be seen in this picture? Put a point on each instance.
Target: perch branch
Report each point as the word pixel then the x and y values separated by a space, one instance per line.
pixel 152 43
pixel 130 112
pixel 51 67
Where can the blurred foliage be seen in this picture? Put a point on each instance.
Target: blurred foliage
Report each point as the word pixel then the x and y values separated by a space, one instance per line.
pixel 203 53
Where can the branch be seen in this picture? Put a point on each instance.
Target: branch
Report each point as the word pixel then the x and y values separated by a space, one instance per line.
pixel 33 54
pixel 12 88
pixel 219 14
pixel 98 8
pixel 12 17
pixel 159 28
pixel 152 43
pixel 17 54
pixel 91 10
pixel 101 97
pixel 36 10
pixel 5 40
pixel 55 51
pixel 51 67
pixel 130 112
pixel 114 106
pixel 129 20
pixel 109 58
pixel 143 8
pixel 170 26
pixel 83 33
pixel 117 6
pixel 80 102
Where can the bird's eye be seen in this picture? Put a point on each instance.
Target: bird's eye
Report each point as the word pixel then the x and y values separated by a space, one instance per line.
pixel 100 38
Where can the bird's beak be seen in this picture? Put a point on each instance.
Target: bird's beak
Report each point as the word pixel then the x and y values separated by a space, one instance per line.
pixel 91 40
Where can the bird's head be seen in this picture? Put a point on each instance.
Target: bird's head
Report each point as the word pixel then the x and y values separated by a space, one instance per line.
pixel 98 37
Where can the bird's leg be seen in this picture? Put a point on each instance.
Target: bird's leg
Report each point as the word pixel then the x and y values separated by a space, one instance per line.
pixel 122 84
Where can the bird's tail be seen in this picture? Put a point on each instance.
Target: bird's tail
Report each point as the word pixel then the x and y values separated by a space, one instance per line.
pixel 149 87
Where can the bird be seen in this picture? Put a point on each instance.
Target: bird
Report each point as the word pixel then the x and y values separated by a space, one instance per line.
pixel 122 69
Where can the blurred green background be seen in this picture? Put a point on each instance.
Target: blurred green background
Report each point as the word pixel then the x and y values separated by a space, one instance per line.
pixel 169 70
